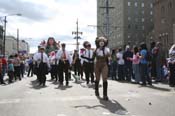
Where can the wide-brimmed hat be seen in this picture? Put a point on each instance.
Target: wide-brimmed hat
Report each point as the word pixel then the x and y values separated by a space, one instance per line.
pixel 42 48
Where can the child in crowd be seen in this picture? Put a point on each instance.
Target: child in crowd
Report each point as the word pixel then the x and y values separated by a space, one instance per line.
pixel 10 71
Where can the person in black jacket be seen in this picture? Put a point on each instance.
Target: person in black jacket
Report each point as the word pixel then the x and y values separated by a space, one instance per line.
pixel 128 63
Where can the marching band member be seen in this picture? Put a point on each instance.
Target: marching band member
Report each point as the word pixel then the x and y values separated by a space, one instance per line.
pixel 88 62
pixel 77 63
pixel 64 60
pixel 81 62
pixel 102 54
pixel 54 66
pixel 42 65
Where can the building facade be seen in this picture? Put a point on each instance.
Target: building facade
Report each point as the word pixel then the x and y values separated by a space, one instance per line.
pixel 130 21
pixel 164 20
pixel 1 39
pixel 11 46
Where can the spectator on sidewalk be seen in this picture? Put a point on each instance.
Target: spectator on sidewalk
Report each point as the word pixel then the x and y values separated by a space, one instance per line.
pixel 30 64
pixel 113 65
pixel 171 63
pixel 136 65
pixel 10 70
pixel 144 65
pixel 1 71
pixel 4 66
pixel 17 67
pixel 127 55
pixel 121 63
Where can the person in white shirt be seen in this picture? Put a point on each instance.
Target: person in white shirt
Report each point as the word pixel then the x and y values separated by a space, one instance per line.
pixel 102 55
pixel 121 63
pixel 54 65
pixel 81 61
pixel 64 59
pixel 88 62
pixel 43 65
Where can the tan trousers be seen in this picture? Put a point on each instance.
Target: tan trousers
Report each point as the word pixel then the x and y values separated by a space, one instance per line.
pixel 101 68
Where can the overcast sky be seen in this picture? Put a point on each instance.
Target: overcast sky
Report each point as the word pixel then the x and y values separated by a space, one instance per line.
pixel 44 18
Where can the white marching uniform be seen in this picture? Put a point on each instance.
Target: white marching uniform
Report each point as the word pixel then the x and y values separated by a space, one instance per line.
pixel 38 58
pixel 64 61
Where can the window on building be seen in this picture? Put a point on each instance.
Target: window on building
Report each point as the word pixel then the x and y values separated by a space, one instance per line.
pixel 143 35
pixel 143 27
pixel 151 12
pixel 136 4
pixel 151 20
pixel 129 3
pixel 143 20
pixel 163 10
pixel 136 20
pixel 151 5
pixel 129 26
pixel 143 12
pixel 136 27
pixel 143 5
pixel 129 36
pixel 170 5
pixel 129 18
pixel 136 13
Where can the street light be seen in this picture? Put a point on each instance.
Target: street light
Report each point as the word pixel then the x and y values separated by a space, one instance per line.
pixel 5 21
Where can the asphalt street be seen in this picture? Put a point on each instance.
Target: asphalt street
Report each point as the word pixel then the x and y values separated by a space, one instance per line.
pixel 26 98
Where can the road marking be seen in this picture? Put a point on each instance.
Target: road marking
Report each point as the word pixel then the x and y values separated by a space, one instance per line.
pixel 9 101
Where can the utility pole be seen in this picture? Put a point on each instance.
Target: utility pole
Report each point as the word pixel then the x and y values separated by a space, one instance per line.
pixel 5 24
pixel 107 21
pixel 77 35
pixel 17 40
pixel 5 21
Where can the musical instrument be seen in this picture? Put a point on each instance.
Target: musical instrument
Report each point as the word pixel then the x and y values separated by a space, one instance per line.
pixel 75 58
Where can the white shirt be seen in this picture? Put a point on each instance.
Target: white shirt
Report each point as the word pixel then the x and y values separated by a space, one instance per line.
pixel 88 54
pixel 38 58
pixel 99 51
pixel 81 59
pixel 52 60
pixel 120 58
pixel 60 54
pixel 34 56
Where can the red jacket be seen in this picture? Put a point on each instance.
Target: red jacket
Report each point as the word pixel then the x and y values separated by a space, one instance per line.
pixel 0 65
pixel 4 61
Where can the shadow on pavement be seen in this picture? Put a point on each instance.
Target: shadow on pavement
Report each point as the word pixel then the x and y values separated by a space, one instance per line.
pixel 35 85
pixel 159 88
pixel 63 87
pixel 84 85
pixel 112 106
pixel 156 88
pixel 78 82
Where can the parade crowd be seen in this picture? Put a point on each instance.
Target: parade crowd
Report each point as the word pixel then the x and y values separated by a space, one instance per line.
pixel 136 64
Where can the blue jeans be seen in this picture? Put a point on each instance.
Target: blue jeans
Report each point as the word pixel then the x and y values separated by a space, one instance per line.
pixel 121 72
pixel 113 70
pixel 136 71
pixel 3 70
pixel 144 74
pixel 159 73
